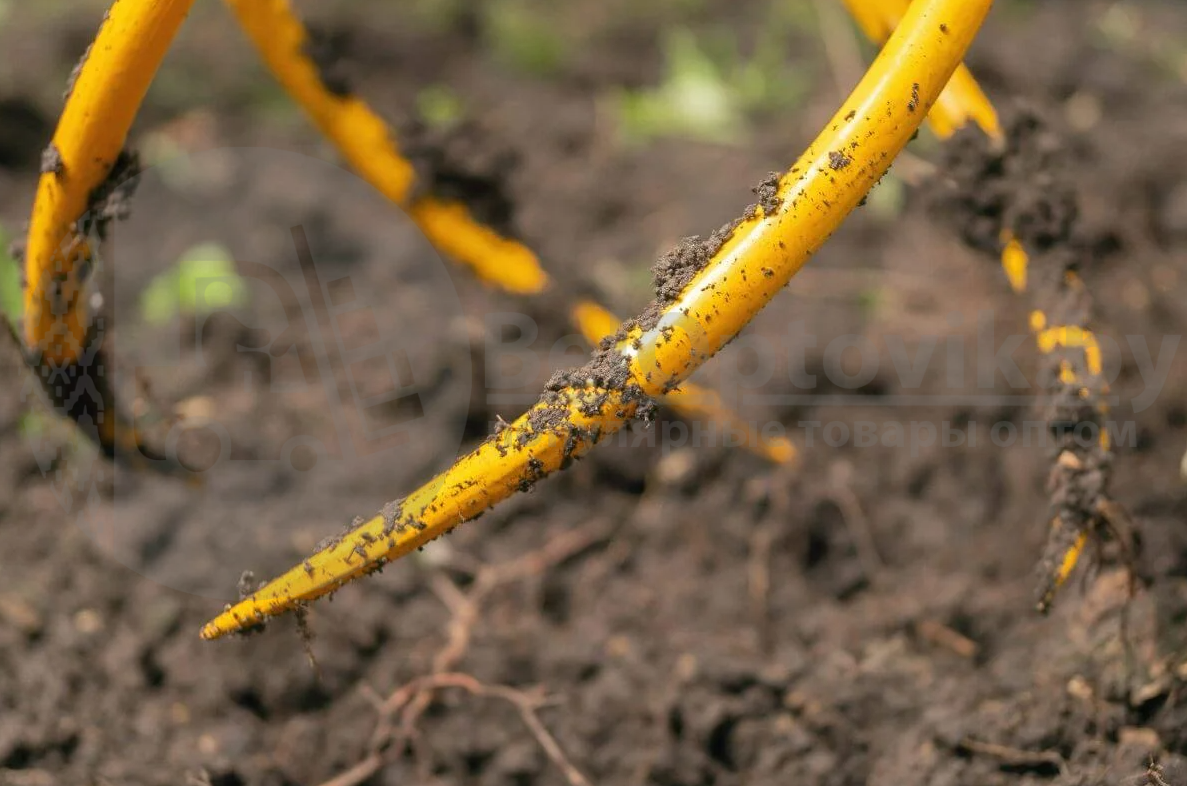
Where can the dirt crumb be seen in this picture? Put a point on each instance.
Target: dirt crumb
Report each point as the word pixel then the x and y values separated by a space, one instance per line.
pixel 675 269
pixel 391 513
pixel 246 585
pixel 51 160
pixel 74 72
pixel 1024 187
pixel 533 473
pixel 767 192
pixel 837 160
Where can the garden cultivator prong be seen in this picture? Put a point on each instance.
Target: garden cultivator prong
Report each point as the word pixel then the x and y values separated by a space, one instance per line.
pixel 962 101
pixel 85 181
pixel 707 291
pixel 370 147
pixel 1075 389
pixel 1071 531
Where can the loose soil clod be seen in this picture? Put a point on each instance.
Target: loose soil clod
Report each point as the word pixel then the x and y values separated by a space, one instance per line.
pixel 51 161
pixel 74 72
pixel 112 199
pixel 837 160
pixel 678 267
pixel 461 164
pixel 1021 186
pixel 391 513
pixel 767 192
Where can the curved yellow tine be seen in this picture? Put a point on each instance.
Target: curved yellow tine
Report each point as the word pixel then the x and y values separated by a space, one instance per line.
pixel 106 93
pixel 369 146
pixel 731 277
pixel 962 100
pixel 87 150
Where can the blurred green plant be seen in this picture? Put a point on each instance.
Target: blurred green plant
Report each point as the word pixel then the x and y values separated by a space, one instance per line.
pixel 439 106
pixel 709 88
pixel 437 15
pixel 11 296
pixel 203 281
pixel 522 37
pixel 1125 28
pixel 51 437
pixel 35 423
pixel 695 99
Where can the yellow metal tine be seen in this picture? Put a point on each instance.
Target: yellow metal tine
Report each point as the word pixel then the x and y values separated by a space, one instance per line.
pixel 761 254
pixel 369 146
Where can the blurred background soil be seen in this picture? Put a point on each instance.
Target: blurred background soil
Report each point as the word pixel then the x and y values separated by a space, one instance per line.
pixel 707 618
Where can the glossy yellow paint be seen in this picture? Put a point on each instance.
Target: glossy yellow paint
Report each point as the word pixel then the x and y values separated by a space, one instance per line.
pixel 962 101
pixel 107 91
pixel 691 401
pixel 369 146
pixel 1072 337
pixel 1070 558
pixel 765 251
pixel 1015 263
pixel 499 261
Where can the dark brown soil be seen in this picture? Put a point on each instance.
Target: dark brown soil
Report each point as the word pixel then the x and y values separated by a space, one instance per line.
pixel 706 618
pixel 457 164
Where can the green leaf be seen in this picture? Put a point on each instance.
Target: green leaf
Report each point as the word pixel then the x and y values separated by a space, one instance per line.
pixel 11 296
pixel 203 281
pixel 439 107
pixel 523 38
pixel 694 101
